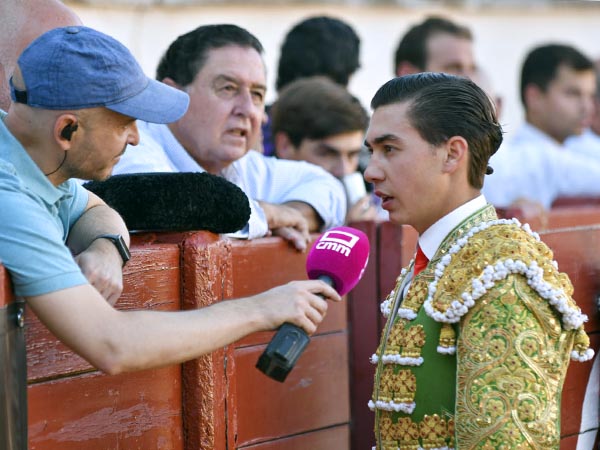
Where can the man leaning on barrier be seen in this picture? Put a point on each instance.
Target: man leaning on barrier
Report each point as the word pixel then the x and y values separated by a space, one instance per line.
pixel 76 96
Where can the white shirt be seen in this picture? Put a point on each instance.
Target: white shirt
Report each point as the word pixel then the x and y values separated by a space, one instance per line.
pixel 260 177
pixel 534 166
pixel 432 237
pixel 586 144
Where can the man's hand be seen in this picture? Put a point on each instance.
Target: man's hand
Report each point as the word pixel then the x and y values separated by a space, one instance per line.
pixel 364 209
pixel 303 303
pixel 102 266
pixel 289 223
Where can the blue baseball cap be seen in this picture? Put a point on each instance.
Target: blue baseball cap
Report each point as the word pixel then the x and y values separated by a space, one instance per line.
pixel 78 67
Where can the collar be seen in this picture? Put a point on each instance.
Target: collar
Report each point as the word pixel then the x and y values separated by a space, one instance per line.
pixel 179 157
pixel 26 169
pixel 431 238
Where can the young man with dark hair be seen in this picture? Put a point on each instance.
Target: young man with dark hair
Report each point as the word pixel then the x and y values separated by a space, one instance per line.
pixel 557 90
pixel 316 120
pixel 436 45
pixel 315 46
pixel 480 325
pixel 221 68
pixel 319 46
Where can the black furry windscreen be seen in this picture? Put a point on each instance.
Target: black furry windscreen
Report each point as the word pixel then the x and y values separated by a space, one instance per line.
pixel 175 201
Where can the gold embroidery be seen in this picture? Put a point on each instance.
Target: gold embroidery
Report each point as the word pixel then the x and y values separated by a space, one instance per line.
pixel 407 433
pixel 512 347
pixel 386 384
pixel 509 382
pixel 433 431
pixel 395 338
pixel 413 339
pixel 405 386
pixel 447 336
pixel 417 293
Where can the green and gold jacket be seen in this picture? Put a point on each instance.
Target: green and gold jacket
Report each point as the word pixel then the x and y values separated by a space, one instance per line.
pixel 475 353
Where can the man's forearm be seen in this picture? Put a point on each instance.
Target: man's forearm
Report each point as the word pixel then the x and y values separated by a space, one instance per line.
pixel 96 220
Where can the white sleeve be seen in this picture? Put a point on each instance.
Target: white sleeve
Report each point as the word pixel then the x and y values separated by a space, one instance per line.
pixel 257 225
pixel 576 175
pixel 278 181
pixel 148 156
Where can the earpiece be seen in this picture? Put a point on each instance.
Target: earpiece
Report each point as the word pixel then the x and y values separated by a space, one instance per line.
pixel 67 131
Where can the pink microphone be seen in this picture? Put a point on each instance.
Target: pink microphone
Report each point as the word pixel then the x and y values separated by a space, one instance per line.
pixel 340 254
pixel 339 258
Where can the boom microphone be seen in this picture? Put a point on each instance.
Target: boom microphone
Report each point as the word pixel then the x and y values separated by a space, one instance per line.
pixel 175 201
pixel 339 258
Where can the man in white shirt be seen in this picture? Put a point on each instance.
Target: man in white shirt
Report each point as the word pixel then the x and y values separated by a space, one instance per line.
pixel 64 248
pixel 557 90
pixel 221 68
pixel 315 119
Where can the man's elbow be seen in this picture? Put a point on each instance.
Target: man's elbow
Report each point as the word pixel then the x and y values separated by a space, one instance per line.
pixel 110 363
pixel 110 358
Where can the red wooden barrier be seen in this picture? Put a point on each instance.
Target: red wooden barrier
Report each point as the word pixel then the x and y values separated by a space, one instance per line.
pixel 576 251
pixel 72 406
pixel 221 401
pixel 575 201
pixel 315 395
pixel 561 217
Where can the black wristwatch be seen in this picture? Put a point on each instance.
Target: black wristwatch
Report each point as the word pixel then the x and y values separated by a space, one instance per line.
pixel 119 242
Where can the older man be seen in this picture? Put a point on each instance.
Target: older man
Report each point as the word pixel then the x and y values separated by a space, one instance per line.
pixel 221 68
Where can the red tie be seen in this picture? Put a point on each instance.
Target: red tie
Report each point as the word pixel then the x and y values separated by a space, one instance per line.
pixel 421 261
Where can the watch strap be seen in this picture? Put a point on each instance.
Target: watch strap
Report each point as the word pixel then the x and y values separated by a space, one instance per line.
pixel 119 243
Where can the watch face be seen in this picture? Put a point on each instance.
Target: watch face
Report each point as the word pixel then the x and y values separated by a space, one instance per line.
pixel 123 250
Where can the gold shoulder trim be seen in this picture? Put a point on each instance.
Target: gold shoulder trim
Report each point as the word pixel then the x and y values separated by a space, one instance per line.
pixel 490 252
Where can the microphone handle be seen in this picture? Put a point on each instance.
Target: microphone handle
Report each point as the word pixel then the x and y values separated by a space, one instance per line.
pixel 282 353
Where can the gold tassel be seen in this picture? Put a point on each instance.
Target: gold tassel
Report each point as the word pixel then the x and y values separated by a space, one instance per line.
pixel 447 336
pixel 582 341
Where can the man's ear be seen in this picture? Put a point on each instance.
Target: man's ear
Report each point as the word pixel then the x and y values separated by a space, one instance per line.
pixel 457 154
pixel 533 95
pixel 65 126
pixel 406 68
pixel 170 82
pixel 284 148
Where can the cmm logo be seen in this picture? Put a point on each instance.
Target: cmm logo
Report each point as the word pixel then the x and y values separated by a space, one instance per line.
pixel 338 241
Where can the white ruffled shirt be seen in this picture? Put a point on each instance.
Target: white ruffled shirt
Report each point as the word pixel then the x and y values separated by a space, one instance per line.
pixel 262 178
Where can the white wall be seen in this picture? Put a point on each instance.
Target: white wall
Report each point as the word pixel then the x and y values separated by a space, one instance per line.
pixel 502 35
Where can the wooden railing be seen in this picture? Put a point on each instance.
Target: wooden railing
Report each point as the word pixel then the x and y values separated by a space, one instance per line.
pixel 221 401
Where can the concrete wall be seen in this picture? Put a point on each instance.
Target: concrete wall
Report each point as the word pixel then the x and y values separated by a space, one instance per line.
pixel 503 34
